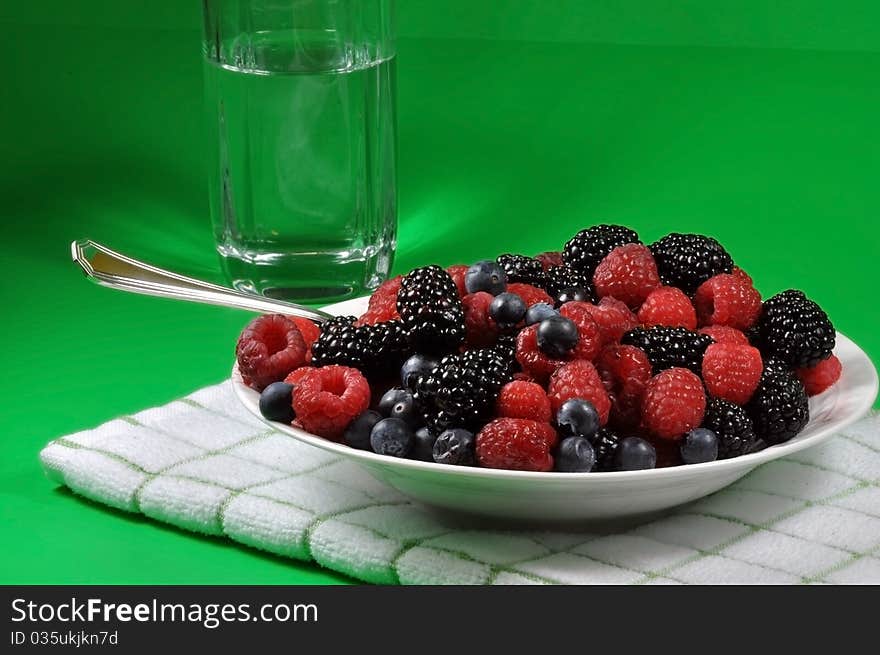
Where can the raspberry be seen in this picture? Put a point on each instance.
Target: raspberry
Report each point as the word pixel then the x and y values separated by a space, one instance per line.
pixel 515 443
pixel 269 348
pixel 531 295
pixel 309 331
pixel 579 379
pixel 628 273
pixel 523 400
pixel 670 307
pixel 532 359
pixel 480 329
pixel 742 275
pixel 550 259
pixel 382 306
pixel 674 404
pixel 728 300
pixel 590 335
pixel 822 376
pixel 614 319
pixel 732 372
pixel 456 272
pixel 327 399
pixel 724 334
pixel 625 370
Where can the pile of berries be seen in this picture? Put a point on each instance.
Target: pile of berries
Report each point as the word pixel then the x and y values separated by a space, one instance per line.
pixel 609 355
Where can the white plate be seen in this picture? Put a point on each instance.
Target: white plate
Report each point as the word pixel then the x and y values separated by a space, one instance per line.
pixel 582 496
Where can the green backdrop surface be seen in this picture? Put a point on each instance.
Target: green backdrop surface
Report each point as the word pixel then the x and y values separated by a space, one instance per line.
pixel 517 127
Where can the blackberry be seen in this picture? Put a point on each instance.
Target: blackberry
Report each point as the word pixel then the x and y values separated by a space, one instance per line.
pixel 587 248
pixel 520 268
pixel 605 444
pixel 795 330
pixel 431 311
pixel 461 391
pixel 780 408
pixel 560 278
pixel 668 347
pixel 687 260
pixel 505 347
pixel 374 349
pixel 732 425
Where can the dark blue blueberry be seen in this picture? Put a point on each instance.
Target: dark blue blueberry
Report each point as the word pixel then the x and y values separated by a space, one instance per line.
pixel 635 454
pixel 423 448
pixel 507 309
pixel 357 434
pixel 392 436
pixel 538 312
pixel 575 455
pixel 405 409
pixel 455 447
pixel 557 335
pixel 698 446
pixel 572 294
pixel 390 398
pixel 486 275
pixel 415 366
pixel 275 402
pixel 577 418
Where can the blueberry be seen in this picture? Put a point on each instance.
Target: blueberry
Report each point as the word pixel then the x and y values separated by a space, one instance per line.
pixel 405 408
pixel 415 366
pixel 423 448
pixel 486 275
pixel 357 434
pixel 392 436
pixel 577 417
pixel 538 312
pixel 455 447
pixel 275 402
pixel 572 294
pixel 698 446
pixel 390 399
pixel 507 309
pixel 635 454
pixel 575 455
pixel 557 335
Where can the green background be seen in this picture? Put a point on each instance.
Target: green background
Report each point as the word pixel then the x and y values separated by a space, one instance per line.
pixel 520 122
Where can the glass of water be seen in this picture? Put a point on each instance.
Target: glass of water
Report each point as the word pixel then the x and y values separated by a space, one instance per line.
pixel 301 100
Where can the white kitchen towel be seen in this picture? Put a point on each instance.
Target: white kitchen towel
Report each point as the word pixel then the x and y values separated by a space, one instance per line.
pixel 204 464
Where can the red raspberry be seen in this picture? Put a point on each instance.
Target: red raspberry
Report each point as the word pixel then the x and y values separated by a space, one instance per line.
pixel 309 331
pixel 522 376
pixel 674 403
pixel 590 336
pixel 728 300
pixel 457 272
pixel 269 348
pixel 822 376
pixel 742 275
pixel 481 330
pixel 614 319
pixel 732 371
pixel 628 273
pixel 532 359
pixel 670 307
pixel 625 370
pixel 550 259
pixel 530 295
pixel 516 443
pixel 382 306
pixel 724 334
pixel 327 399
pixel 523 400
pixel 579 379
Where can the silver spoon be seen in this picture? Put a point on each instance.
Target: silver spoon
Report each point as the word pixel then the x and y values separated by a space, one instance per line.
pixel 112 269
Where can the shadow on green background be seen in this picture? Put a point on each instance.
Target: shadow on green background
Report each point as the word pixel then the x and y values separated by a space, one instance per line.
pixel 517 135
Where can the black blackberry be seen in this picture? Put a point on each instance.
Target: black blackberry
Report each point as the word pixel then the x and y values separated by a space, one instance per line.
pixel 505 346
pixel 520 268
pixel 605 444
pixel 780 408
pixel 588 247
pixel 795 330
pixel 461 391
pixel 374 349
pixel 430 310
pixel 687 260
pixel 559 278
pixel 668 347
pixel 736 434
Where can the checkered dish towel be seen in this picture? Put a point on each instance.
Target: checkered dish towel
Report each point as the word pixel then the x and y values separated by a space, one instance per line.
pixel 203 463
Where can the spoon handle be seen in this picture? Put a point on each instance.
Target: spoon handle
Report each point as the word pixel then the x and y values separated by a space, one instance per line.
pixel 112 269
